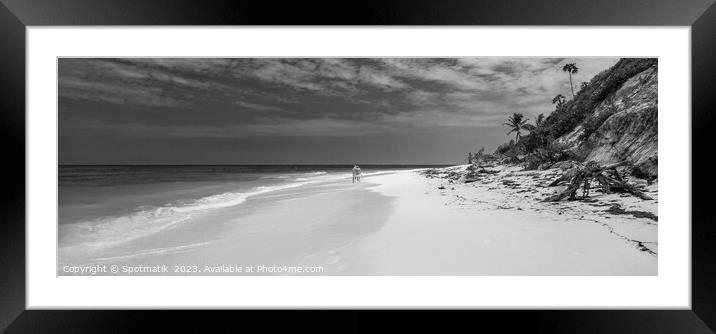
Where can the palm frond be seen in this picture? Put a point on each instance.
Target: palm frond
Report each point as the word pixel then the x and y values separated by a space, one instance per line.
pixel 529 127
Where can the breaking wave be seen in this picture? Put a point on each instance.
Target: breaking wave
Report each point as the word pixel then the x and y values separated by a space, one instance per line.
pixel 110 231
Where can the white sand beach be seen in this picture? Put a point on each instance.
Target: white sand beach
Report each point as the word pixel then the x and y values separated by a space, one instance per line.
pixel 493 229
pixel 402 223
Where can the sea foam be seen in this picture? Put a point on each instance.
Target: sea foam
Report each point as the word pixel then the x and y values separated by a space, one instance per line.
pixel 114 230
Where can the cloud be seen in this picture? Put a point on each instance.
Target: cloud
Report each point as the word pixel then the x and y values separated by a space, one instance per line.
pixel 296 75
pixel 428 70
pixel 422 98
pixel 76 88
pixel 188 65
pixel 326 76
pixel 112 81
pixel 371 76
pixel 341 92
pixel 336 68
pixel 258 107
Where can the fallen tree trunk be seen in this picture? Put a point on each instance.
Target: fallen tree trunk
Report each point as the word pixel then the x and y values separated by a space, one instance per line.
pixel 584 176
pixel 571 191
pixel 566 176
pixel 621 186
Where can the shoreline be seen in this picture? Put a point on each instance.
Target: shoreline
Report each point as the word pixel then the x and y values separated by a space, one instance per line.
pixel 287 226
pixel 402 223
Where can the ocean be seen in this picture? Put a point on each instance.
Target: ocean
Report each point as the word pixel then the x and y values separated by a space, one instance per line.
pixel 106 213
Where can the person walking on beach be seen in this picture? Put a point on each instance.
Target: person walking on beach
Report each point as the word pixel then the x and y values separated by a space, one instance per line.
pixel 356 173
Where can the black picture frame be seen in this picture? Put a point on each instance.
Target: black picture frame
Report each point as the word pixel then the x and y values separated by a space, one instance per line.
pixel 16 15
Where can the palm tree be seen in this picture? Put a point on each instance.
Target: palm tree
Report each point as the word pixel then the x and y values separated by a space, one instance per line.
pixel 559 100
pixel 517 123
pixel 539 130
pixel 570 68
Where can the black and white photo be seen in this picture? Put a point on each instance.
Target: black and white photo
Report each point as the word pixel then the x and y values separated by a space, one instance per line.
pixel 470 166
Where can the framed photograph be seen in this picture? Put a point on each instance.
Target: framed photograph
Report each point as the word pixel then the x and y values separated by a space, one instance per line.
pixel 459 156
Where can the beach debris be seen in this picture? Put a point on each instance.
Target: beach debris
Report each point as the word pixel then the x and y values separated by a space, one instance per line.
pixel 487 171
pixel 608 177
pixel 475 173
pixel 481 167
pixel 510 183
pixel 469 174
pixel 616 209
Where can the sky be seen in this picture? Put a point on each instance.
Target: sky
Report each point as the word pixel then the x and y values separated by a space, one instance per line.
pixel 300 110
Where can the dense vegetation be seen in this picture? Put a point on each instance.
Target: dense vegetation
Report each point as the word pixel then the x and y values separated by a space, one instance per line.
pixel 564 120
pixel 540 144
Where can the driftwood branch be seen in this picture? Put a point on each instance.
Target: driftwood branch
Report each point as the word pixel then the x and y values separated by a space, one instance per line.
pixel 583 176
